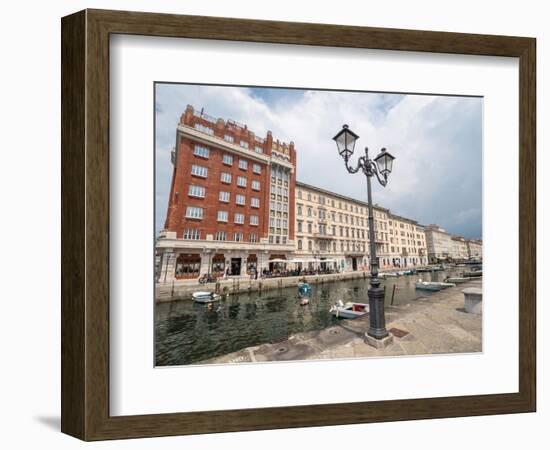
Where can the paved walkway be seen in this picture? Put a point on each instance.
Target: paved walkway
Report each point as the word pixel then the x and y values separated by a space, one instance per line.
pixel 435 324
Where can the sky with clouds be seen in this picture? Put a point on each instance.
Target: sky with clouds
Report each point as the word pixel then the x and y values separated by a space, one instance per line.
pixel 437 142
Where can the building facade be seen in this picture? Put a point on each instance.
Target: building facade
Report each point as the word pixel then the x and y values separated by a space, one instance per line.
pixel 475 249
pixel 231 204
pixel 459 248
pixel 333 229
pixel 407 242
pixel 330 228
pixel 438 243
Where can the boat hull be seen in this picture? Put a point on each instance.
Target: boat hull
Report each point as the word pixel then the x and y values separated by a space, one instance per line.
pixel 433 286
pixel 205 297
pixel 350 310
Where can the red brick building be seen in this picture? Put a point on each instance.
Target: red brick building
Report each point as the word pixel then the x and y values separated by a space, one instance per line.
pixel 231 205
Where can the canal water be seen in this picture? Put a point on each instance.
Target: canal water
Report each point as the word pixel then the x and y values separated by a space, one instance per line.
pixel 188 332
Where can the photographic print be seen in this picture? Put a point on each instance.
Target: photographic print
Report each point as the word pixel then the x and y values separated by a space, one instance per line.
pixel 298 224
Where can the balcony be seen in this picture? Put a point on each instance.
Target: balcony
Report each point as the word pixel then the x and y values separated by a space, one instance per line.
pixel 327 236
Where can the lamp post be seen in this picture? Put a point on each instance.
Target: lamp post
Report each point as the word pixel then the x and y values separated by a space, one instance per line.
pixel 381 166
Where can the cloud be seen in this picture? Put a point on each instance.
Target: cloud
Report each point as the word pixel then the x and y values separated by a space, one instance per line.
pixel 437 142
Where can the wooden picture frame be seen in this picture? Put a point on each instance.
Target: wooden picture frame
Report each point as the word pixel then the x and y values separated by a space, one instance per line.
pixel 85 224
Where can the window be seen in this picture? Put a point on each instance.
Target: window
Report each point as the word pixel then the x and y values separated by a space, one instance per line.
pixel 224 197
pixel 229 138
pixel 238 237
pixel 253 237
pixel 240 200
pixel 191 234
pixel 258 149
pixel 299 244
pixel 256 185
pixel 204 129
pixel 220 236
pixel 194 212
pixel 223 216
pixel 255 202
pixel 196 191
pixel 309 212
pixel 254 220
pixel 256 168
pixel 309 228
pixel 299 194
pixel 199 171
pixel 299 210
pixel 201 151
pixel 243 164
pixel 244 144
pixel 310 245
pixel 226 177
pixel 241 181
pixel 239 218
pixel 299 227
pixel 228 160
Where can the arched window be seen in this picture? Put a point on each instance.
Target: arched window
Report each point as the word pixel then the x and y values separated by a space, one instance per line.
pixel 299 244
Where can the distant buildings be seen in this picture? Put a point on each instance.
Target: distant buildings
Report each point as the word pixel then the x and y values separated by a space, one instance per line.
pixel 235 208
pixel 444 247
pixel 475 249
pixel 459 248
pixel 438 243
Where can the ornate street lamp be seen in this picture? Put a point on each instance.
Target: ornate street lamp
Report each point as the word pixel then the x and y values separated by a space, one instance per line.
pixel 381 166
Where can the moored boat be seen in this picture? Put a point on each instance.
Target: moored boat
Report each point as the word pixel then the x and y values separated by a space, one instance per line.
pixel 456 280
pixel 388 275
pixel 304 290
pixel 408 272
pixel 432 285
pixel 349 310
pixel 473 273
pixel 205 297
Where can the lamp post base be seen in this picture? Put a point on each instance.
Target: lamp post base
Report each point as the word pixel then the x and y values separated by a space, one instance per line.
pixel 379 343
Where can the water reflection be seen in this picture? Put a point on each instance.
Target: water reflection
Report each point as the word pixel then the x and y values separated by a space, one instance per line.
pixel 188 332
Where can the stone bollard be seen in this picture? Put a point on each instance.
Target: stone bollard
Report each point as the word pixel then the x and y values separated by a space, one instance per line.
pixel 473 300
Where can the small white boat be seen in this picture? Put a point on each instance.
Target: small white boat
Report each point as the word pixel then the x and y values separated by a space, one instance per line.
pixel 388 275
pixel 205 297
pixel 433 285
pixel 349 310
pixel 456 280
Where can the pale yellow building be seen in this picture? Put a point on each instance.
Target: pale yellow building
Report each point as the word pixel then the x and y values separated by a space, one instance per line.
pixel 438 243
pixel 407 246
pixel 333 229
pixel 475 249
pixel 459 248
